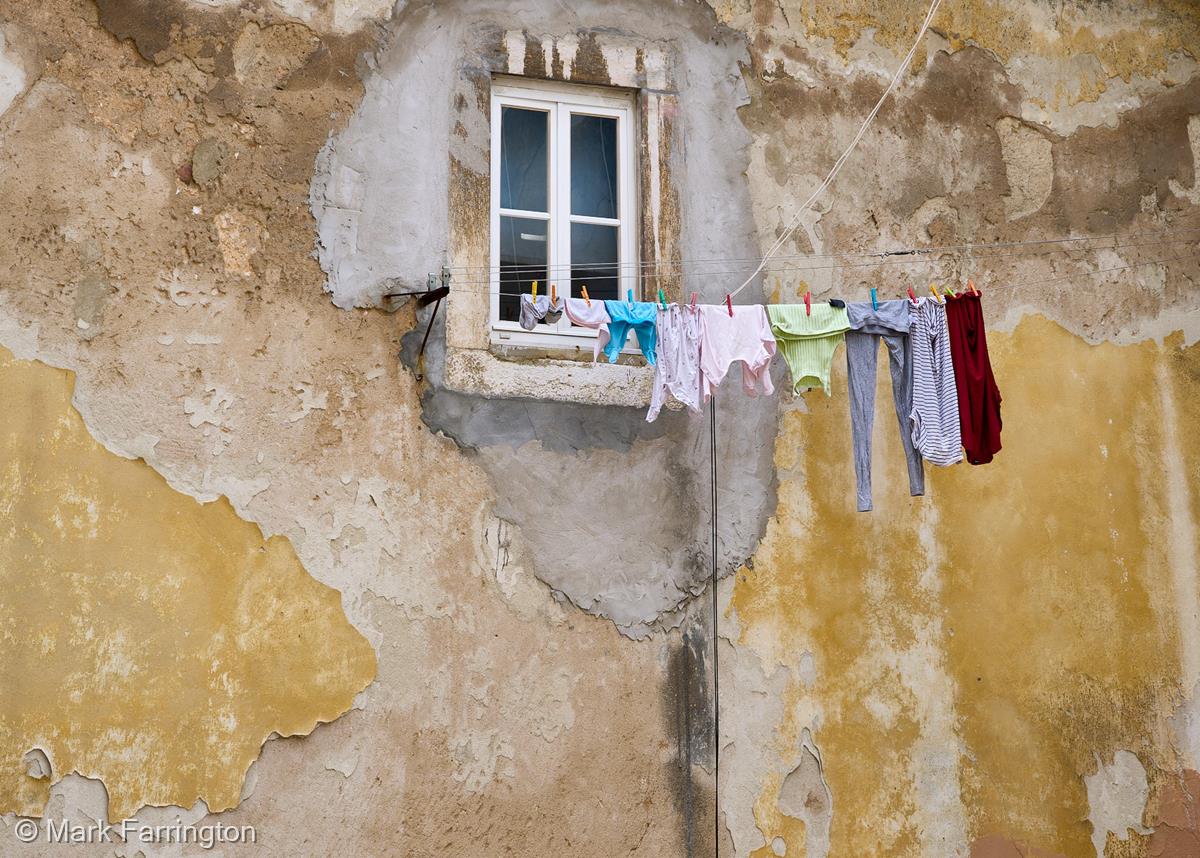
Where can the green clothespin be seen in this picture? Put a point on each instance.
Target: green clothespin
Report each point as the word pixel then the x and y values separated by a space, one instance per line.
pixel 662 299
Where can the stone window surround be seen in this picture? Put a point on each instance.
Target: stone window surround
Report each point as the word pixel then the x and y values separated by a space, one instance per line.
pixel 474 363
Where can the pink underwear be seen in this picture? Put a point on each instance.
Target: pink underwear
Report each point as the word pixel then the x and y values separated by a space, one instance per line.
pixel 744 336
pixel 594 316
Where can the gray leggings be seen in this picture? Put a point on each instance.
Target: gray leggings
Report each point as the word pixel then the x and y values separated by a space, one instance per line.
pixel 861 351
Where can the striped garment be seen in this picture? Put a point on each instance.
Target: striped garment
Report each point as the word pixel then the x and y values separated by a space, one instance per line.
pixel 934 417
pixel 807 340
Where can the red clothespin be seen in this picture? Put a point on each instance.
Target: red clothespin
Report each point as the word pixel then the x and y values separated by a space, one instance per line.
pixel 912 295
pixel 586 299
pixel 729 303
pixel 694 296
pixel 808 303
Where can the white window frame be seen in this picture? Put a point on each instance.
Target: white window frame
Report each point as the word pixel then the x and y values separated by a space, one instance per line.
pixel 560 101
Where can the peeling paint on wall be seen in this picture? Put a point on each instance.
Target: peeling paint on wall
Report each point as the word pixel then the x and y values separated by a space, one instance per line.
pixel 1010 611
pixel 1004 668
pixel 123 597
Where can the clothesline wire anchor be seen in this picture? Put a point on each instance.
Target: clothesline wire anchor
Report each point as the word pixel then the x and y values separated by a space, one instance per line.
pixel 432 294
pixel 916 251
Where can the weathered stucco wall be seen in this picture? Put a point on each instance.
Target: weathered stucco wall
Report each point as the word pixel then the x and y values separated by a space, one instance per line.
pixel 252 566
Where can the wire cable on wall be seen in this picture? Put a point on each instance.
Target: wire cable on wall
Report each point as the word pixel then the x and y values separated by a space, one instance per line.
pixel 712 451
pixel 485 286
pixel 1192 228
pixel 837 166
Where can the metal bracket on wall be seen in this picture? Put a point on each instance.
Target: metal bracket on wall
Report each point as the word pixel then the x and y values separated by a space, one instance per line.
pixel 434 294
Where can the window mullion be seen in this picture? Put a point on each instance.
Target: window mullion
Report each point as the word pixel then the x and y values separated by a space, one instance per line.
pixel 626 191
pixel 562 196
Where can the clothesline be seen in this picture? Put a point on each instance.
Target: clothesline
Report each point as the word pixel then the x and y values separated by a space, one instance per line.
pixel 680 272
pixel 485 286
pixel 965 249
pixel 693 349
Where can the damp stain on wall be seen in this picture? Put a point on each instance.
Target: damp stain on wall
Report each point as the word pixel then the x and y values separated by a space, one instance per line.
pixel 154 642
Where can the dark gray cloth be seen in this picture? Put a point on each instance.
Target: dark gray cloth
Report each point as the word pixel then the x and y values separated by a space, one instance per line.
pixel 861 361
pixel 890 318
pixel 534 310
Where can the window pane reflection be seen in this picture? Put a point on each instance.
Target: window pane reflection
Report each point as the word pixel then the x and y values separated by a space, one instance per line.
pixel 593 260
pixel 593 165
pixel 523 159
pixel 523 248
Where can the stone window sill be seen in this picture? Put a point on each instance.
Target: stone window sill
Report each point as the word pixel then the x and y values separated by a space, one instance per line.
pixel 508 372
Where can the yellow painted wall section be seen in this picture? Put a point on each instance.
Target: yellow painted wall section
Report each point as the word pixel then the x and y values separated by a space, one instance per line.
pixel 1019 619
pixel 182 637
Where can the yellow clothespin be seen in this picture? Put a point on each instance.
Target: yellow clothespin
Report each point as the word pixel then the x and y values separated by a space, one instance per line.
pixel 553 294
pixel 586 299
pixel 533 289
pixel 936 294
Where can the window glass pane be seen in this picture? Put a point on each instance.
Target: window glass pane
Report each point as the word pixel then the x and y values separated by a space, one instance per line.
pixel 523 248
pixel 593 165
pixel 523 158
pixel 593 260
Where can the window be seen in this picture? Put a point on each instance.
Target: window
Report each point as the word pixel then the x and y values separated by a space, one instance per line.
pixel 562 208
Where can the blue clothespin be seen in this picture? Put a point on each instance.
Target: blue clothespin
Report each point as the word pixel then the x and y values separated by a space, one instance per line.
pixel 874 300
pixel 629 295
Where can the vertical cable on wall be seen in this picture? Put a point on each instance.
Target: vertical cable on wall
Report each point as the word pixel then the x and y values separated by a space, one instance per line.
pixel 712 422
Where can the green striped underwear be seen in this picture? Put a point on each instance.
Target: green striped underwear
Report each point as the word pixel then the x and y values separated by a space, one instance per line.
pixel 807 342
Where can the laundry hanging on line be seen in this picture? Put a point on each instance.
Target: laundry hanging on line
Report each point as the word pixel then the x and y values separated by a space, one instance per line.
pixel 943 388
pixel 871 322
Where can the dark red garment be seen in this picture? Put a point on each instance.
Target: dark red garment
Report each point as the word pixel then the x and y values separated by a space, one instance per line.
pixel 978 396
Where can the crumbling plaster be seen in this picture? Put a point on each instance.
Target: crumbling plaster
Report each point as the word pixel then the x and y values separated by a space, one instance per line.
pixel 891 685
pixel 173 607
pixel 386 216
pixel 218 378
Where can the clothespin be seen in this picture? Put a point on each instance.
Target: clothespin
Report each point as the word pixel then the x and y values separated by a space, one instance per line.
pixel 533 290
pixel 629 295
pixel 553 294
pixel 912 295
pixel 586 299
pixel 729 303
pixel 807 302
pixel 971 286
pixel 950 292
pixel 662 299
pixel 933 289
pixel 874 300
pixel 694 296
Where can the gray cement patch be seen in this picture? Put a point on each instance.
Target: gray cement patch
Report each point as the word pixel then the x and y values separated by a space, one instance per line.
pixel 616 511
